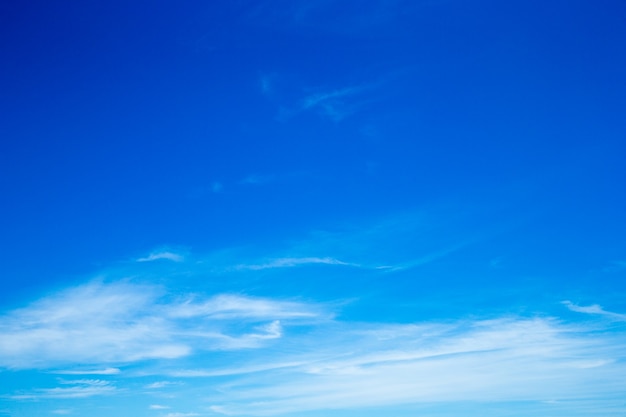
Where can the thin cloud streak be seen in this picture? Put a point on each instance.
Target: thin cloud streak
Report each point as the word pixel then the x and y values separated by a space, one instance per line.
pixel 289 262
pixel 161 384
pixel 158 407
pixel 424 260
pixel 359 246
pixel 202 373
pixel 106 371
pixel 170 256
pixel 419 238
pixel 318 98
pixel 335 105
pixel 83 388
pixel 594 309
pixel 230 306
pixel 181 414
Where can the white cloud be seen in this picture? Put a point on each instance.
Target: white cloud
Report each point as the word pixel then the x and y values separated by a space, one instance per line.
pixel 102 324
pixel 158 407
pixel 98 328
pixel 161 384
pixel 166 255
pixel 290 262
pixel 489 360
pixel 82 388
pixel 329 364
pixel 90 324
pixel 181 414
pixel 198 373
pixel 105 371
pixel 594 309
pixel 271 330
pixel 229 306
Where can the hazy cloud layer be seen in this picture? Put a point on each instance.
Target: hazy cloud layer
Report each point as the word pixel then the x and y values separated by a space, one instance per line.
pixel 508 359
pixel 327 364
pixel 101 323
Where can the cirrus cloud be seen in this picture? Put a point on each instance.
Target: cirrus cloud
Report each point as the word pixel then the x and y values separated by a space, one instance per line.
pixel 119 323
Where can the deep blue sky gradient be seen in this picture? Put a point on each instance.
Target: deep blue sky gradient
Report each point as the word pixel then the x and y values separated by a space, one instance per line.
pixel 424 160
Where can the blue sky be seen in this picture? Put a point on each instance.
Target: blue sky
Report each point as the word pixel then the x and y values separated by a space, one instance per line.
pixel 313 208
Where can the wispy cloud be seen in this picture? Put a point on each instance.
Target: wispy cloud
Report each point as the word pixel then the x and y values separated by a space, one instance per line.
pixel 181 414
pixel 271 330
pixel 327 363
pixel 418 239
pixel 594 309
pixel 158 407
pixel 508 359
pixel 270 355
pixel 105 371
pixel 236 307
pixel 334 104
pixel 423 260
pixel 320 98
pixel 262 367
pixel 91 324
pixel 82 388
pixel 166 255
pixel 290 262
pixel 120 323
pixel 161 384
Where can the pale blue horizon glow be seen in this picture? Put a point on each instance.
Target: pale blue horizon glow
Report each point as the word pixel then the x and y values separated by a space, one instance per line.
pixel 313 208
